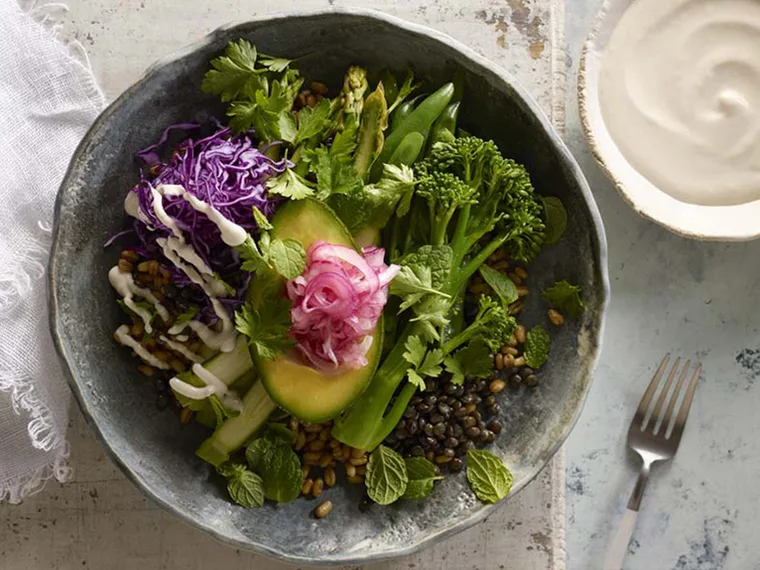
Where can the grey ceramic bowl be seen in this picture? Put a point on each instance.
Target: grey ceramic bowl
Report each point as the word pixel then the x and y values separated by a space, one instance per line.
pixel 151 447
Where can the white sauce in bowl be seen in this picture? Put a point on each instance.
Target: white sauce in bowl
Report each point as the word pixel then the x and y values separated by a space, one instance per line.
pixel 679 91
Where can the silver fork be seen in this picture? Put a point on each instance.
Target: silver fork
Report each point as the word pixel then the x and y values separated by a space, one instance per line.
pixel 655 436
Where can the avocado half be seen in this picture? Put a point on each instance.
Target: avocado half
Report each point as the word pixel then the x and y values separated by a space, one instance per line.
pixel 306 393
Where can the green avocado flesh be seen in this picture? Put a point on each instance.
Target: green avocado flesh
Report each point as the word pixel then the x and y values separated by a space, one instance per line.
pixel 306 393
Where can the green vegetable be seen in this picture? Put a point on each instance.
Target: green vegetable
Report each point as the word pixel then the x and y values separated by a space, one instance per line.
pixel 390 86
pixel 406 89
pixel 313 122
pixel 556 218
pixel 245 487
pixel 537 343
pixel 422 478
pixel 566 297
pixel 408 150
pixel 272 458
pixel 282 432
pixel 502 285
pixel 290 184
pixel 351 100
pixel 472 361
pixel 266 327
pixel 420 120
pixel 386 476
pixel 229 367
pixel 400 115
pixel 234 432
pixel 368 208
pixel 423 362
pixel 374 120
pixel 261 90
pixel 489 478
pixel 445 126
pixel 469 202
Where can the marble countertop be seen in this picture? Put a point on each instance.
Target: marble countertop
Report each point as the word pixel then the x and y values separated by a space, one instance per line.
pixel 698 300
pixel 668 294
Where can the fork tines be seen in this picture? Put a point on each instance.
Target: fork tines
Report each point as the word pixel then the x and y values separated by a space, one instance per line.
pixel 665 424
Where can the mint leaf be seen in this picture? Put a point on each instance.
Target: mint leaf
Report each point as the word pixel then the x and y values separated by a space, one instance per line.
pixel 489 478
pixel 266 327
pixel 386 476
pixel 537 343
pixel 245 487
pixel 501 285
pixel 288 257
pixel 556 219
pixel 290 185
pixel 272 458
pixel 261 220
pixel 422 478
pixel 282 475
pixel 567 297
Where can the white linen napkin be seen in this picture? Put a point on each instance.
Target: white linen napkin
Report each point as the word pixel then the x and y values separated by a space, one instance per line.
pixel 48 99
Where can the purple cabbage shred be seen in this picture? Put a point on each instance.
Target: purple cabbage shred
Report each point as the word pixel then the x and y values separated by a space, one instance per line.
pixel 225 170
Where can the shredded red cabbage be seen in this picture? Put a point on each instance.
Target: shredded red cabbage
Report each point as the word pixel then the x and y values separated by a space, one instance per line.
pixel 225 170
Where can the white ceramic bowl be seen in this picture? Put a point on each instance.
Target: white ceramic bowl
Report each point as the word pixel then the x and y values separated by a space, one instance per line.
pixel 715 223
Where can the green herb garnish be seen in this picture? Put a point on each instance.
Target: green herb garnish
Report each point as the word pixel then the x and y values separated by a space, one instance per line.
pixel 537 343
pixel 422 478
pixel 386 476
pixel 502 285
pixel 244 486
pixel 566 297
pixel 489 478
pixel 272 457
pixel 556 219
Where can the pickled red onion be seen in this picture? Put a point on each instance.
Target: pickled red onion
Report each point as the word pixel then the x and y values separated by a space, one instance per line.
pixel 336 304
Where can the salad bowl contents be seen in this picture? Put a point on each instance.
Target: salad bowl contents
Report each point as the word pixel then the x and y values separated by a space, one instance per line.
pixel 326 278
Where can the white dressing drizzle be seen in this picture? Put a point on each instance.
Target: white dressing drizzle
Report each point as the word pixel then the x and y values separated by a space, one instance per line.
pixel 232 234
pixel 182 255
pixel 214 386
pixel 123 337
pixel 181 348
pixel 125 286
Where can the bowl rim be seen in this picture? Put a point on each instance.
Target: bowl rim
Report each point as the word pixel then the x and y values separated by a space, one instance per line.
pixel 699 222
pixel 599 246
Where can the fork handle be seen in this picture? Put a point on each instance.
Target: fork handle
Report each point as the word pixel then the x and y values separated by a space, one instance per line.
pixel 616 552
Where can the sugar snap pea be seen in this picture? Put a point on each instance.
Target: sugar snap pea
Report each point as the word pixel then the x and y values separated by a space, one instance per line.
pixel 400 114
pixel 445 126
pixel 420 120
pixel 408 151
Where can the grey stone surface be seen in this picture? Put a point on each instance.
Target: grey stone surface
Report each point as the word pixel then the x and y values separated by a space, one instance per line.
pixel 698 300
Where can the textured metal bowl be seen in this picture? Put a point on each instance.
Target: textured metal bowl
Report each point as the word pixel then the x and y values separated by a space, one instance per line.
pixel 150 446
